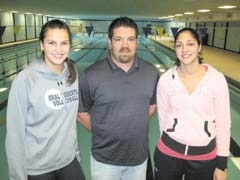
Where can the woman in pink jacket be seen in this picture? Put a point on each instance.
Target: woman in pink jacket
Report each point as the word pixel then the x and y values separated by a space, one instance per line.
pixel 194 116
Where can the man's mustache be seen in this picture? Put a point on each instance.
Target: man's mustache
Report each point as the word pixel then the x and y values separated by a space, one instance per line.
pixel 124 49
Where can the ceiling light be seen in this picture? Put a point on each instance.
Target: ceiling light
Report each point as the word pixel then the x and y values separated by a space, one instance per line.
pixel 178 14
pixel 164 17
pixel 204 10
pixel 227 7
pixel 188 13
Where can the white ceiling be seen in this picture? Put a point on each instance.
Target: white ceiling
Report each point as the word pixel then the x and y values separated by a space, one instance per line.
pixel 98 9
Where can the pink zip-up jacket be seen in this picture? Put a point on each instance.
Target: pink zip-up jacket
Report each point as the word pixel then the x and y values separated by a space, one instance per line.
pixel 195 119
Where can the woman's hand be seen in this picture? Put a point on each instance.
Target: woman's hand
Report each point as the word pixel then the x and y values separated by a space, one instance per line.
pixel 220 174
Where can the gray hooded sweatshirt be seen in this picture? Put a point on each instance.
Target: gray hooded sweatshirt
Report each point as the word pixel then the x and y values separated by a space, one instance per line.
pixel 41 121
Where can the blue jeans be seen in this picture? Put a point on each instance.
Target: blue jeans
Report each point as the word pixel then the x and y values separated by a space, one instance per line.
pixel 101 171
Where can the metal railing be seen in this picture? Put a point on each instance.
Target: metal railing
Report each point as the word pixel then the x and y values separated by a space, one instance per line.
pixel 12 65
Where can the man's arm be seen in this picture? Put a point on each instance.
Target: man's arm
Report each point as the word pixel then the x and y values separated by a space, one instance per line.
pixel 84 119
pixel 152 110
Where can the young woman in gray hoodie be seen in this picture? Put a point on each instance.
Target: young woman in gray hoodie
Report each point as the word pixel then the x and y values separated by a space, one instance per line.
pixel 41 140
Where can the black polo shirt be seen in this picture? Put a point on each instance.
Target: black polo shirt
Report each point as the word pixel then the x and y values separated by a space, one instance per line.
pixel 118 103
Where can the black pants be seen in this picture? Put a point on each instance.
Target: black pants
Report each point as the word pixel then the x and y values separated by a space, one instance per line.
pixel 72 171
pixel 171 168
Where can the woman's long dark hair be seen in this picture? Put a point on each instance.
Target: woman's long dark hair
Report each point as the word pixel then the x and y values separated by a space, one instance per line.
pixel 53 24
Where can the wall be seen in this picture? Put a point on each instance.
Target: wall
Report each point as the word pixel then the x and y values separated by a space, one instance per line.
pixel 221 34
pixel 222 29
